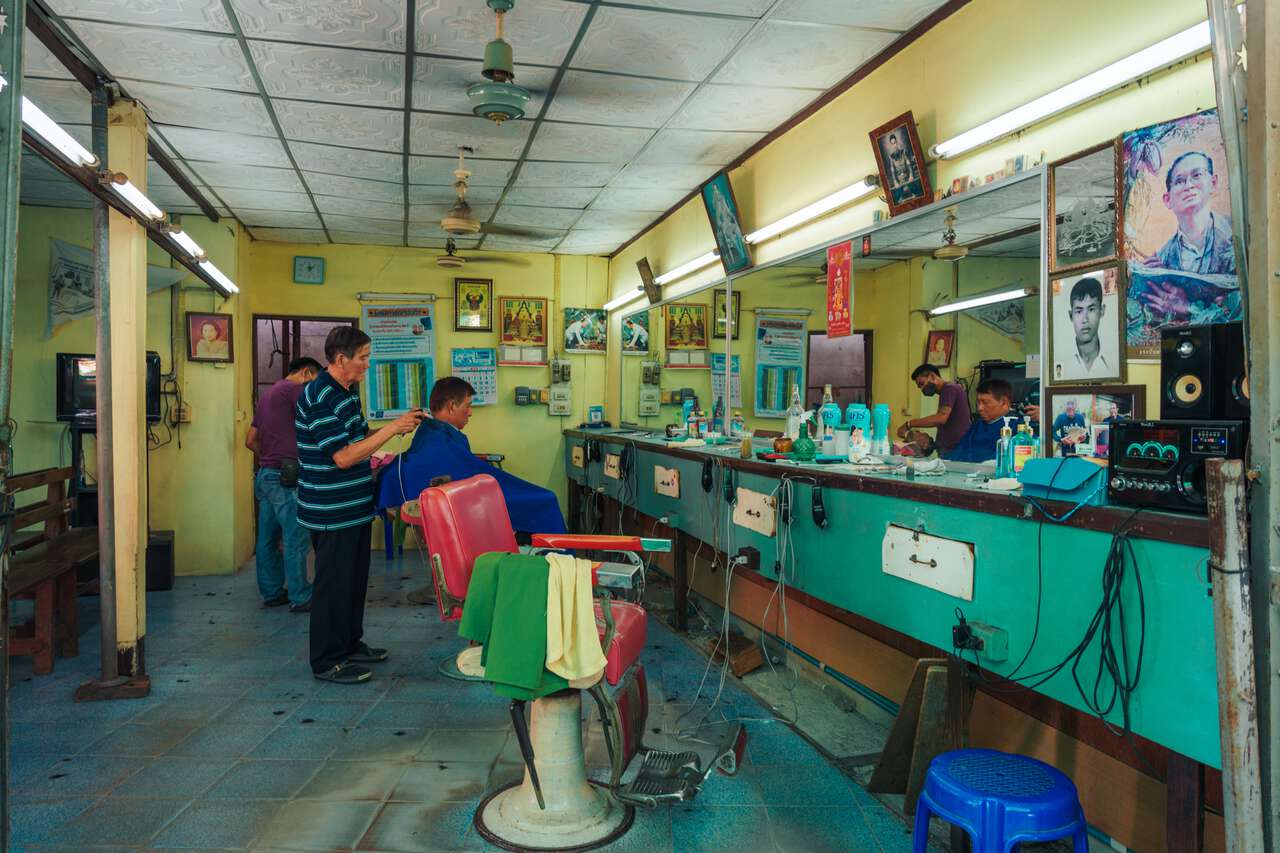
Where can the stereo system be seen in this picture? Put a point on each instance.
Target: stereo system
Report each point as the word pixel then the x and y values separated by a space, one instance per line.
pixel 1202 373
pixel 1161 463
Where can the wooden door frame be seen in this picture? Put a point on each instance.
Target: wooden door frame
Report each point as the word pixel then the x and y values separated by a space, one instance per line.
pixel 868 335
pixel 354 321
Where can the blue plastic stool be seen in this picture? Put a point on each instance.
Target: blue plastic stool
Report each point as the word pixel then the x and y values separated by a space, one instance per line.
pixel 1001 800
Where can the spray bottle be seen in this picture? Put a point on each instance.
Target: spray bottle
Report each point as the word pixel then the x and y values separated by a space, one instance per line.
pixel 829 417
pixel 795 414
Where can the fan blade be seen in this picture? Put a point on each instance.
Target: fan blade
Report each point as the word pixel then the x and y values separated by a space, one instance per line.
pixel 515 231
pixel 494 259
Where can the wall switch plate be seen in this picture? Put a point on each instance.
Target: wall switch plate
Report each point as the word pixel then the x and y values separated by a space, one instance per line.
pixel 945 565
pixel 613 466
pixel 666 481
pixel 650 406
pixel 561 400
pixel 578 456
pixel 756 511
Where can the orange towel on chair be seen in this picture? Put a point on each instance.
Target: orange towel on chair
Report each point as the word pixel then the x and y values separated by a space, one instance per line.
pixel 573 642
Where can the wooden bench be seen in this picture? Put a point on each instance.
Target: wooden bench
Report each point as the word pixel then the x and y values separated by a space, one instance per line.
pixel 42 567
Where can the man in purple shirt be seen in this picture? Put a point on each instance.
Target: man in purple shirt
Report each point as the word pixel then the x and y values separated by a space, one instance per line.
pixel 952 417
pixel 273 439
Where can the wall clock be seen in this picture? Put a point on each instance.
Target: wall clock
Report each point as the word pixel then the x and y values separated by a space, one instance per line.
pixel 308 270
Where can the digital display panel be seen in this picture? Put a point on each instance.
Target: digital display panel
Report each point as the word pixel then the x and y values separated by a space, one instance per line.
pixel 1209 441
pixel 1146 448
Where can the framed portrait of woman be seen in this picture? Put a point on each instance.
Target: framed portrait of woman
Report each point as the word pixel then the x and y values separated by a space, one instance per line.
pixel 209 337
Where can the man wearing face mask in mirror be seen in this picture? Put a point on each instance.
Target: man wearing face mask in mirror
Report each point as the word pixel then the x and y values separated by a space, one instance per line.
pixel 952 417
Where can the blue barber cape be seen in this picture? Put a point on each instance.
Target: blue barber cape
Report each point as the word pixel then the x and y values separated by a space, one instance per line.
pixel 437 450
pixel 978 444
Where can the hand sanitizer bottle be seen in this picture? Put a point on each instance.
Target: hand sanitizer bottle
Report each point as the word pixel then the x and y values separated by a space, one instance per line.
pixel 1004 466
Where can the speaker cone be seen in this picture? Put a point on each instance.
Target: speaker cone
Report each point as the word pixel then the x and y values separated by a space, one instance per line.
pixel 1185 390
pixel 1240 388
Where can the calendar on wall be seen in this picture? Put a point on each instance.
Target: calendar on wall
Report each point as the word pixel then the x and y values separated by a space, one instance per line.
pixel 479 366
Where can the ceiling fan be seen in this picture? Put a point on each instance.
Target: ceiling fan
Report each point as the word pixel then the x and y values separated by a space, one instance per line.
pixel 461 222
pixel 451 260
pixel 805 279
pixel 949 251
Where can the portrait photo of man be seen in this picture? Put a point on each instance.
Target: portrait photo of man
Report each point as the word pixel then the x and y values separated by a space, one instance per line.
pixel 1202 242
pixel 1086 327
pixel 900 159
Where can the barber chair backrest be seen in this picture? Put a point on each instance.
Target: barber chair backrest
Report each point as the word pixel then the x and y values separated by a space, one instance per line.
pixel 462 520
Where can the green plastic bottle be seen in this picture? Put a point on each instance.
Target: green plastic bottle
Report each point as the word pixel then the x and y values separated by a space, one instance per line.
pixel 1021 447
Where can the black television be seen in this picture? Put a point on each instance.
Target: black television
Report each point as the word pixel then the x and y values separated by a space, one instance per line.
pixel 77 385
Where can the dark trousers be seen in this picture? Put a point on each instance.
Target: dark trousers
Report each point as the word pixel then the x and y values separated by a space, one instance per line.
pixel 337 598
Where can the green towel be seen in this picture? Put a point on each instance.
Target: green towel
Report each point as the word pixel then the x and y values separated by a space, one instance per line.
pixel 506 610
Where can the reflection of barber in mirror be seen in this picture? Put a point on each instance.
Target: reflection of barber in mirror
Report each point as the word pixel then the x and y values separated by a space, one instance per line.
pixel 952 417
pixel 1202 243
pixel 439 448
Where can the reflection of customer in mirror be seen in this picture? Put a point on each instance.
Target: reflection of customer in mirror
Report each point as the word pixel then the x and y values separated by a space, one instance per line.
pixel 1202 243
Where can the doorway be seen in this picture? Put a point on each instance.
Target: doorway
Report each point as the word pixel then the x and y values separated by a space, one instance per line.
pixel 279 339
pixel 843 363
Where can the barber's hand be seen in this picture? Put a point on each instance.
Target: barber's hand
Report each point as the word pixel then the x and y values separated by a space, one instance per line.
pixel 903 429
pixel 407 422
pixel 1032 410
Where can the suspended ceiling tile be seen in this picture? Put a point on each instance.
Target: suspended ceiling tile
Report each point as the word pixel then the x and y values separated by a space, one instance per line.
pixel 35 167
pixel 555 175
pixel 168 196
pixel 375 24
pixel 587 142
pixel 539 31
pixel 432 230
pixel 219 147
pixel 439 171
pixel 357 163
pixel 330 74
pixel 749 8
pixel 658 44
pixel 189 107
pixel 677 147
pixel 440 85
pixel 617 198
pixel 265 199
pixel 600 250
pixel 511 244
pixel 662 177
pixel 431 214
pixel 81 133
pixel 61 100
pixel 447 195
pixel 442 134
pixel 354 188
pixel 249 177
pixel 358 127
pixel 769 56
pixel 360 238
pixel 614 237
pixel 438 242
pixel 183 14
pixel 289 235
pixel 611 99
pixel 158 177
pixel 37 61
pixel 717 107
pixel 363 225
pixel 360 207
pixel 184 59
pixel 537 217
pixel 278 218
pixel 64 191
pixel 880 14
pixel 620 220
pixel 576 197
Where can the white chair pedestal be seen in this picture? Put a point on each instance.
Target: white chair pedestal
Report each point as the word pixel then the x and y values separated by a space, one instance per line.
pixel 578 815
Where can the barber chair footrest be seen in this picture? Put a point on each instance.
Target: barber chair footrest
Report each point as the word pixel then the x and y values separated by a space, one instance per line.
pixel 665 777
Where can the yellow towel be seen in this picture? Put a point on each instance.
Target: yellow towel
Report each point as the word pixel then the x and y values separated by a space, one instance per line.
pixel 573 644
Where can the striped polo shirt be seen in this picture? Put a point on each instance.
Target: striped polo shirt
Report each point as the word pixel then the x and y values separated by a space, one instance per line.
pixel 328 419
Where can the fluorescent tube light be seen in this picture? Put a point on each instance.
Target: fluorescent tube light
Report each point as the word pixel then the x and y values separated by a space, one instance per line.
pixel 979 301
pixel 52 133
pixel 624 299
pixel 818 208
pixel 217 275
pixel 136 199
pixel 692 266
pixel 1159 55
pixel 191 247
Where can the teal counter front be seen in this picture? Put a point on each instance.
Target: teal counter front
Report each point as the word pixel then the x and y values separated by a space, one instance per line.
pixel 1018 555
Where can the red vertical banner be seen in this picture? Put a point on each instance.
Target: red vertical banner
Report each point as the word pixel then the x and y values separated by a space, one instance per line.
pixel 839 291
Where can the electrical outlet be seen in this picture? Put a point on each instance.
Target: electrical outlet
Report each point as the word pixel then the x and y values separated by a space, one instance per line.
pixel 180 414
pixel 666 481
pixel 613 466
pixel 995 641
pixel 578 456
pixel 756 511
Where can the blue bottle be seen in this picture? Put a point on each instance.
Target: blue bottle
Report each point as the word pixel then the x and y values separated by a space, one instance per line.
pixel 858 416
pixel 880 429
pixel 686 409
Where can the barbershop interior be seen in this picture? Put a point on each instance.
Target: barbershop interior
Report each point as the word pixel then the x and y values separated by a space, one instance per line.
pixel 663 425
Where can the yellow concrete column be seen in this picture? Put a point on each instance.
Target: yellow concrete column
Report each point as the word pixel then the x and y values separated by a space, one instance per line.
pixel 127 153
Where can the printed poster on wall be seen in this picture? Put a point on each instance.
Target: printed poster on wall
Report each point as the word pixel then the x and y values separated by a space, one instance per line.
pixel 717 380
pixel 635 333
pixel 402 361
pixel 840 290
pixel 780 354
pixel 479 366
pixel 71 288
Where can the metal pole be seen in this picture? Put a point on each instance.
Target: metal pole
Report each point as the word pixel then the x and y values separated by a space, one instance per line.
pixel 1233 639
pixel 10 167
pixel 105 475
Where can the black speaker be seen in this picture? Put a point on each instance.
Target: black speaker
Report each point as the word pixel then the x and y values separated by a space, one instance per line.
pixel 1202 373
pixel 160 560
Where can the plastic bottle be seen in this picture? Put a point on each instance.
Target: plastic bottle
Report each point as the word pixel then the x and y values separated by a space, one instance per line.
pixel 1022 448
pixel 795 414
pixel 829 415
pixel 1004 465
pixel 686 412
pixel 880 429
pixel 717 417
pixel 738 427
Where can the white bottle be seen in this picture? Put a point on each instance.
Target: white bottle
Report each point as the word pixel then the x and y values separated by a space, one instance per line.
pixel 795 414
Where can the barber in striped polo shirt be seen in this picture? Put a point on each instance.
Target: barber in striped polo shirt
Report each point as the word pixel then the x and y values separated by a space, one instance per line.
pixel 335 502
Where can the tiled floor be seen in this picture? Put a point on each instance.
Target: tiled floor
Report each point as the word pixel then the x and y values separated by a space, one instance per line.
pixel 239 748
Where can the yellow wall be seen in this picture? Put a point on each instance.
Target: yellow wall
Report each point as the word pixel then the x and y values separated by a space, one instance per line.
pixel 182 485
pixel 530 438
pixel 952 79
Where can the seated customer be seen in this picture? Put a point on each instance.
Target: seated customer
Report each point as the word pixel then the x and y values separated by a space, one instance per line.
pixel 439 449
pixel 978 444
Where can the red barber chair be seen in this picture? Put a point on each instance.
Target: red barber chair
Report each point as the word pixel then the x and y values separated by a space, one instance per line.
pixel 555 807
